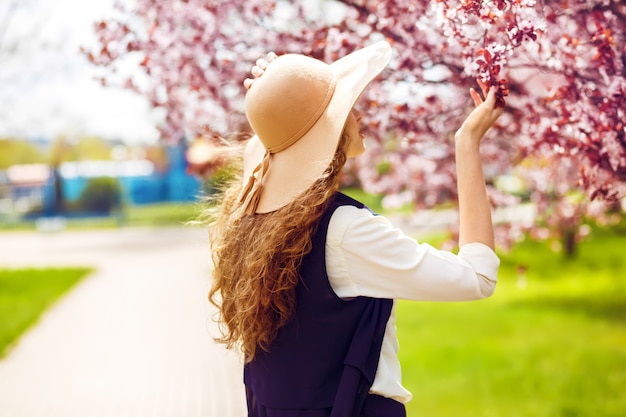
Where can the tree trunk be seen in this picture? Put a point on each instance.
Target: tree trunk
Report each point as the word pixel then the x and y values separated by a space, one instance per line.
pixel 59 202
pixel 568 239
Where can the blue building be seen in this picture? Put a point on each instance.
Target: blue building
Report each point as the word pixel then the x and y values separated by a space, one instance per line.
pixel 139 180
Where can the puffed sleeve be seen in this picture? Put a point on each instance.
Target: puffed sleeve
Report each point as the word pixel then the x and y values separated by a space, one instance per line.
pixel 367 256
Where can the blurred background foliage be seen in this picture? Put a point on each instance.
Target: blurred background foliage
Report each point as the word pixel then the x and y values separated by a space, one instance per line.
pixel 17 151
pixel 14 151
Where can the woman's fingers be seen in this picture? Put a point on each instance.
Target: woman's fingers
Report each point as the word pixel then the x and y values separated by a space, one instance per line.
pixel 483 86
pixel 257 71
pixel 261 63
pixel 259 68
pixel 490 98
pixel 476 97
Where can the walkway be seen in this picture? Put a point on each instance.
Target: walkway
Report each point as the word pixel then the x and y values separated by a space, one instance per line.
pixel 133 339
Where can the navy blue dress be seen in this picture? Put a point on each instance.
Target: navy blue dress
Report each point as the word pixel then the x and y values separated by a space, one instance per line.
pixel 323 361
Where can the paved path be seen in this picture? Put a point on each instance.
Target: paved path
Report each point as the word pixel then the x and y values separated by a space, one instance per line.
pixel 133 339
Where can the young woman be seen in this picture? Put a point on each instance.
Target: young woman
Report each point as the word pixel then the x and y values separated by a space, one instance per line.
pixel 305 277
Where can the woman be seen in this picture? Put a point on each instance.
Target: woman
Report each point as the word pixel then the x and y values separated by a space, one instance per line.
pixel 305 277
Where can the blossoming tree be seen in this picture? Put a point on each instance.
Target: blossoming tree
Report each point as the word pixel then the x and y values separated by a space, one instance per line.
pixel 559 67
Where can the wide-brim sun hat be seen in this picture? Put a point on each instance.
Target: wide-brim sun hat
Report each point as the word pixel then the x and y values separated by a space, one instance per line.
pixel 297 110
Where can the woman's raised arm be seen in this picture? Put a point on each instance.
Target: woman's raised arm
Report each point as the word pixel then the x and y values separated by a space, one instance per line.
pixel 475 224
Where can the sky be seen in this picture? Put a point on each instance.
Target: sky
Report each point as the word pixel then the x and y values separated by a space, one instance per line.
pixel 47 87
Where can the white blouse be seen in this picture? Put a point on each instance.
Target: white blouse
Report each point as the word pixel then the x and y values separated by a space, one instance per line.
pixel 367 256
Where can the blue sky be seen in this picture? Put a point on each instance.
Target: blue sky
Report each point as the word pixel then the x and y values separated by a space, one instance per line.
pixel 47 87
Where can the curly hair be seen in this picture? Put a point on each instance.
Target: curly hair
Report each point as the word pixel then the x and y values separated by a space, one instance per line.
pixel 257 257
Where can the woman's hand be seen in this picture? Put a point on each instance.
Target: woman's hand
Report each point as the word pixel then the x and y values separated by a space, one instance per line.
pixel 484 115
pixel 259 69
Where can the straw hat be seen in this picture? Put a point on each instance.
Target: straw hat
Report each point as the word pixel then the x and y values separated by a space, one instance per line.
pixel 297 110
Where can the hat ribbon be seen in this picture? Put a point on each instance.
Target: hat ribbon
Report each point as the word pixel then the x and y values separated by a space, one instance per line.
pixel 251 193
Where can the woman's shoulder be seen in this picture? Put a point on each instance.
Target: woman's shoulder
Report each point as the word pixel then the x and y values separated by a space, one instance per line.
pixel 356 219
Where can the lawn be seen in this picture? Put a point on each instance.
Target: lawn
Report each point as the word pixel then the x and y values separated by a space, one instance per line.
pixel 26 293
pixel 148 215
pixel 162 214
pixel 551 342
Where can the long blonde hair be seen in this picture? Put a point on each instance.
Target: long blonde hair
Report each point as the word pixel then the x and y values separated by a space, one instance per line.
pixel 257 258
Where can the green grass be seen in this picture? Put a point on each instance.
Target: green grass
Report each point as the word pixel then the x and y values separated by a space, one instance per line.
pixel 550 342
pixel 162 214
pixel 149 215
pixel 24 296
